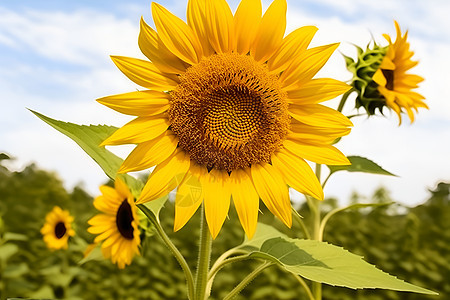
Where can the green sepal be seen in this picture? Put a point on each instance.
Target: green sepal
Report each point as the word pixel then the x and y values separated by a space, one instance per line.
pixel 363 68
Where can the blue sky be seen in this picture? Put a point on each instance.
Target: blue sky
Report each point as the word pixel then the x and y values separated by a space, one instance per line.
pixel 54 58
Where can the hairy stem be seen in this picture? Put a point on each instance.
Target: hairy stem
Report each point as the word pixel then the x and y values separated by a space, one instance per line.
pixel 176 253
pixel 204 257
pixel 247 280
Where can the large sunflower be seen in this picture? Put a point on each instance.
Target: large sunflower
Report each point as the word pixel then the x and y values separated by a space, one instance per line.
pixel 117 225
pixel 394 83
pixel 232 103
pixel 57 228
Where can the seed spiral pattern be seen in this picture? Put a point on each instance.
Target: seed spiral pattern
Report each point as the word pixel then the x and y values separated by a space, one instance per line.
pixel 229 112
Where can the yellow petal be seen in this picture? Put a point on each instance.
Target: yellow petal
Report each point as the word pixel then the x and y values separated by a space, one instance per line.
pixel 151 153
pixel 108 193
pixel 122 188
pixel 319 115
pixel 246 200
pixel 273 191
pixel 196 19
pixel 145 74
pixel 315 134
pixel 246 22
pixel 294 44
pixel 139 130
pixel 142 103
pixel 297 173
pixel 387 64
pixel 219 25
pixel 153 47
pixel 189 196
pixel 321 154
pixel 176 35
pixel 161 181
pixel 317 90
pixel 379 78
pixel 306 66
pixel 217 199
pixel 271 31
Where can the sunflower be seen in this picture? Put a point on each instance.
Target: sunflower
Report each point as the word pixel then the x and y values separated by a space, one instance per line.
pixel 118 225
pixel 57 228
pixel 232 105
pixel 394 83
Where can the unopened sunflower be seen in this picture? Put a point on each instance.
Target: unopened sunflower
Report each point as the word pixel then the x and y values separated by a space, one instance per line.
pixel 381 77
pixel 231 104
pixel 57 228
pixel 117 225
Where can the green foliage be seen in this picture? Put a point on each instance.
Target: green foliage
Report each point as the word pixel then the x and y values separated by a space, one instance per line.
pixel 89 138
pixel 360 164
pixel 322 262
pixel 411 243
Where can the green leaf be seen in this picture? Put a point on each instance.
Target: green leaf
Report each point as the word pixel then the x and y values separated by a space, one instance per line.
pixel 7 250
pixel 4 156
pixel 10 236
pixel 89 139
pixel 361 164
pixel 322 262
pixel 15 271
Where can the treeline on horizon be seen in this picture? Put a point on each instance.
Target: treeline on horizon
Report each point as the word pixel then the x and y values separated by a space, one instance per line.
pixel 411 242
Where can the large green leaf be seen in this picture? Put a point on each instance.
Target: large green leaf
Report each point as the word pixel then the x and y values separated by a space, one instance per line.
pixel 89 139
pixel 322 262
pixel 361 164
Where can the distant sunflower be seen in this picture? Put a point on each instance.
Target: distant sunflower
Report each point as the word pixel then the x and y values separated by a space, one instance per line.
pixel 232 103
pixel 117 226
pixel 394 83
pixel 57 228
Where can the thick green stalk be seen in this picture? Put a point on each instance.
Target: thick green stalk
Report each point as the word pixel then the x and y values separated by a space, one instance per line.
pixel 204 256
pixel 176 253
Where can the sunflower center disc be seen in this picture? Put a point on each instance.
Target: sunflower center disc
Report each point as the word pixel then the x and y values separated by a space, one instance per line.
pixel 389 75
pixel 229 112
pixel 60 230
pixel 123 220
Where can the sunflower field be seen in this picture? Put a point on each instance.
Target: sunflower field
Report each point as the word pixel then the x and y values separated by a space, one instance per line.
pixel 412 243
pixel 228 119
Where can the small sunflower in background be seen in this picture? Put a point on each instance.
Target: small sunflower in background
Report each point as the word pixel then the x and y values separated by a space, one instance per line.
pixel 382 78
pixel 57 228
pixel 117 226
pixel 230 102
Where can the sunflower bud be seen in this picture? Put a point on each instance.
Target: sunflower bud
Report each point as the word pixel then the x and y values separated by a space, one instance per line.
pixel 363 69
pixel 380 77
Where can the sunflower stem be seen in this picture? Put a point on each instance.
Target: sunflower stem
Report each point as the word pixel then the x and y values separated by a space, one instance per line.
pixel 220 263
pixel 176 253
pixel 344 99
pixel 317 286
pixel 305 286
pixel 299 220
pixel 204 257
pixel 247 280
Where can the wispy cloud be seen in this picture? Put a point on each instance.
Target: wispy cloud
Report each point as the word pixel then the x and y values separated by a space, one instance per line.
pixel 57 62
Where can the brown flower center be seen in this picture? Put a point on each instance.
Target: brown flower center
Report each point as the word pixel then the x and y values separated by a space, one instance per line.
pixel 60 230
pixel 229 112
pixel 124 218
pixel 389 75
